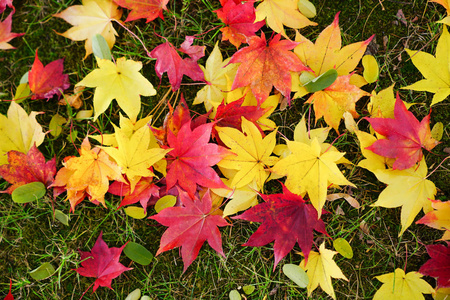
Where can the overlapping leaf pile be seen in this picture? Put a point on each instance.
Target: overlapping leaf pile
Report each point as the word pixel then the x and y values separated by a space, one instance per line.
pixel 219 164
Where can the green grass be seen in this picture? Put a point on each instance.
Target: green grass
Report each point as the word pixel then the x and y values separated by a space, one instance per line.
pixel 29 236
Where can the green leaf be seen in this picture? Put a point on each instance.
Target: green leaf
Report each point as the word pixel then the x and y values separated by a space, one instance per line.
pixel 322 82
pixel 296 274
pixel 248 289
pixel 437 131
pixel 29 192
pixel 56 124
pixel 306 8
pixel 22 92
pixel 62 217
pixel 234 295
pixel 24 78
pixel 100 47
pixel 43 271
pixel 343 247
pixel 164 202
pixel 135 212
pixel 138 253
pixel 371 70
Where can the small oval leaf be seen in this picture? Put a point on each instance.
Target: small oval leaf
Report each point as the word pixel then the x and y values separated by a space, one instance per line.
pixel 100 47
pixel 56 124
pixel 29 192
pixel 24 78
pixel 371 70
pixel 248 289
pixel 306 77
pixel 296 274
pixel 145 298
pixel 437 131
pixel 135 212
pixel 22 92
pixel 307 8
pixel 234 295
pixel 43 271
pixel 134 295
pixel 164 202
pixel 62 217
pixel 343 247
pixel 322 82
pixel 138 253
pixel 84 114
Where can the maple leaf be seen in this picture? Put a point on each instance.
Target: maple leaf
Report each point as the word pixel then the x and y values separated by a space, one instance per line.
pixel 251 153
pixel 405 137
pixel 320 269
pixel 88 174
pixel 282 12
pixel 286 219
pixel 143 191
pixel 4 4
pixel 149 9
pixel 102 263
pixel 407 188
pixel 435 69
pixel 91 18
pixel 398 285
pixel 5 33
pixel 49 80
pixel 168 60
pixel 438 218
pixel 333 101
pixel 372 161
pixel 190 161
pixel 265 66
pixel 133 154
pixel 18 131
pixel 240 20
pixel 215 72
pixel 438 265
pixel 190 226
pixel 121 81
pixel 309 170
pixel 26 168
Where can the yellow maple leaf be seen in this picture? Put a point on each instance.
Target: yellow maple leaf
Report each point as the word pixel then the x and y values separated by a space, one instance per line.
pixel 133 154
pixel 281 12
pixel 215 70
pixel 435 69
pixel 320 269
pixel 372 161
pixel 252 153
pixel 309 170
pixel 91 18
pixel 89 173
pixel 121 81
pixel 18 131
pixel 406 188
pixel 400 286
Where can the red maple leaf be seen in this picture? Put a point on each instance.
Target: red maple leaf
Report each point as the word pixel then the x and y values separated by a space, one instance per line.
pixel 10 295
pixel 286 219
pixel 4 4
pixel 405 137
pixel 191 160
pixel 150 9
pixel 190 225
pixel 168 60
pixel 144 189
pixel 49 80
pixel 265 66
pixel 5 33
pixel 27 168
pixel 439 264
pixel 230 115
pixel 102 263
pixel 239 18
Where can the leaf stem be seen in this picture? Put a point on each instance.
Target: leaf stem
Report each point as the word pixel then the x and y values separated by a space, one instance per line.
pixel 437 166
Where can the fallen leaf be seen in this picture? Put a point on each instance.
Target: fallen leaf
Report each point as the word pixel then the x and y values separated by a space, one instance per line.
pixel 438 218
pixel 45 82
pixel 190 226
pixel 438 265
pixel 149 9
pixel 91 18
pixel 144 189
pixel 73 100
pixel 101 263
pixel 401 286
pixel 5 33
pixel 3 5
pixel 287 220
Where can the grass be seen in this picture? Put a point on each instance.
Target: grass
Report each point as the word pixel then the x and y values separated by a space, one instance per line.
pixel 29 235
